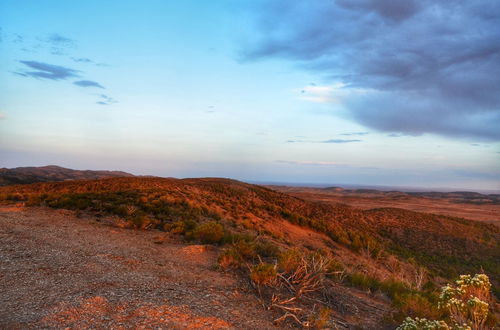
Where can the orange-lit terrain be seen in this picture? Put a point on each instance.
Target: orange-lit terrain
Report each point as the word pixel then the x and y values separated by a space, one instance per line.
pixel 61 271
pixel 218 253
pixel 485 208
pixel 204 140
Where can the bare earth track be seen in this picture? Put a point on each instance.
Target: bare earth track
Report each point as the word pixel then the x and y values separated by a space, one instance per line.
pixel 58 270
pixel 61 271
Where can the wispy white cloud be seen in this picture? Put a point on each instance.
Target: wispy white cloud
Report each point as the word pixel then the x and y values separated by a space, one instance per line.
pixel 336 141
pixel 322 163
pixel 310 163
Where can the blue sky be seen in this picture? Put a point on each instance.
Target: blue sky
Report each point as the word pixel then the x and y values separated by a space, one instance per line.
pixel 341 92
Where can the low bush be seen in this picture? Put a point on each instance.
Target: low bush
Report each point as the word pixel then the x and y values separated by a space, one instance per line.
pixel 209 233
pixel 416 304
pixel 289 260
pixel 246 250
pixel 142 221
pixel 267 249
pixel 391 287
pixel 263 274
pixel 320 319
pixel 180 227
pixel 229 259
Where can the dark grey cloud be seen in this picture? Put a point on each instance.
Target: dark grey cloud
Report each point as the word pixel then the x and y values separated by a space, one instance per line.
pixel 88 83
pixel 428 66
pixel 47 71
pixel 386 9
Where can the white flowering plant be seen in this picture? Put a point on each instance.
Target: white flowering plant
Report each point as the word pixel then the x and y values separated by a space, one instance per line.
pixel 422 324
pixel 467 302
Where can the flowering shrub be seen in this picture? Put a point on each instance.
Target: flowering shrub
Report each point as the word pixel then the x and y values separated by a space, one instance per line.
pixel 422 324
pixel 466 301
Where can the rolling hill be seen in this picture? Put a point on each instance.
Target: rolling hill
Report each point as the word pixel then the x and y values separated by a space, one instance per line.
pixel 400 255
pixel 27 175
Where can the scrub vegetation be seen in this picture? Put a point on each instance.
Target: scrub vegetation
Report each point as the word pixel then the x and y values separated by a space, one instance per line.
pixel 399 255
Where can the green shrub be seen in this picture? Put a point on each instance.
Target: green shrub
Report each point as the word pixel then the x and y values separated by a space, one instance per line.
pixel 416 304
pixel 120 210
pixel 390 287
pixel 229 258
pixel 289 260
pixel 246 250
pixel 33 200
pixel 180 227
pixel 142 221
pixel 267 249
pixel 320 319
pixel 263 274
pixel 209 233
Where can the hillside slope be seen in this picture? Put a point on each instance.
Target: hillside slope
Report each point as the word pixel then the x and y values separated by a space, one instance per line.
pixel 402 256
pixel 26 175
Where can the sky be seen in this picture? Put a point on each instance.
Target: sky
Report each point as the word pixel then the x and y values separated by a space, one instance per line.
pixel 369 92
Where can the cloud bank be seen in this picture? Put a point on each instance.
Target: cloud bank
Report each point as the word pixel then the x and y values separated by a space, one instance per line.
pixel 422 66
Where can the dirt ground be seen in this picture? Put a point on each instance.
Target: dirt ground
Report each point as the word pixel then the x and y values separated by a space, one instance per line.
pixel 60 271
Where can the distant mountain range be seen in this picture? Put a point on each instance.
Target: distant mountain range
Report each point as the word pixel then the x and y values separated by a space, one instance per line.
pixel 26 175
